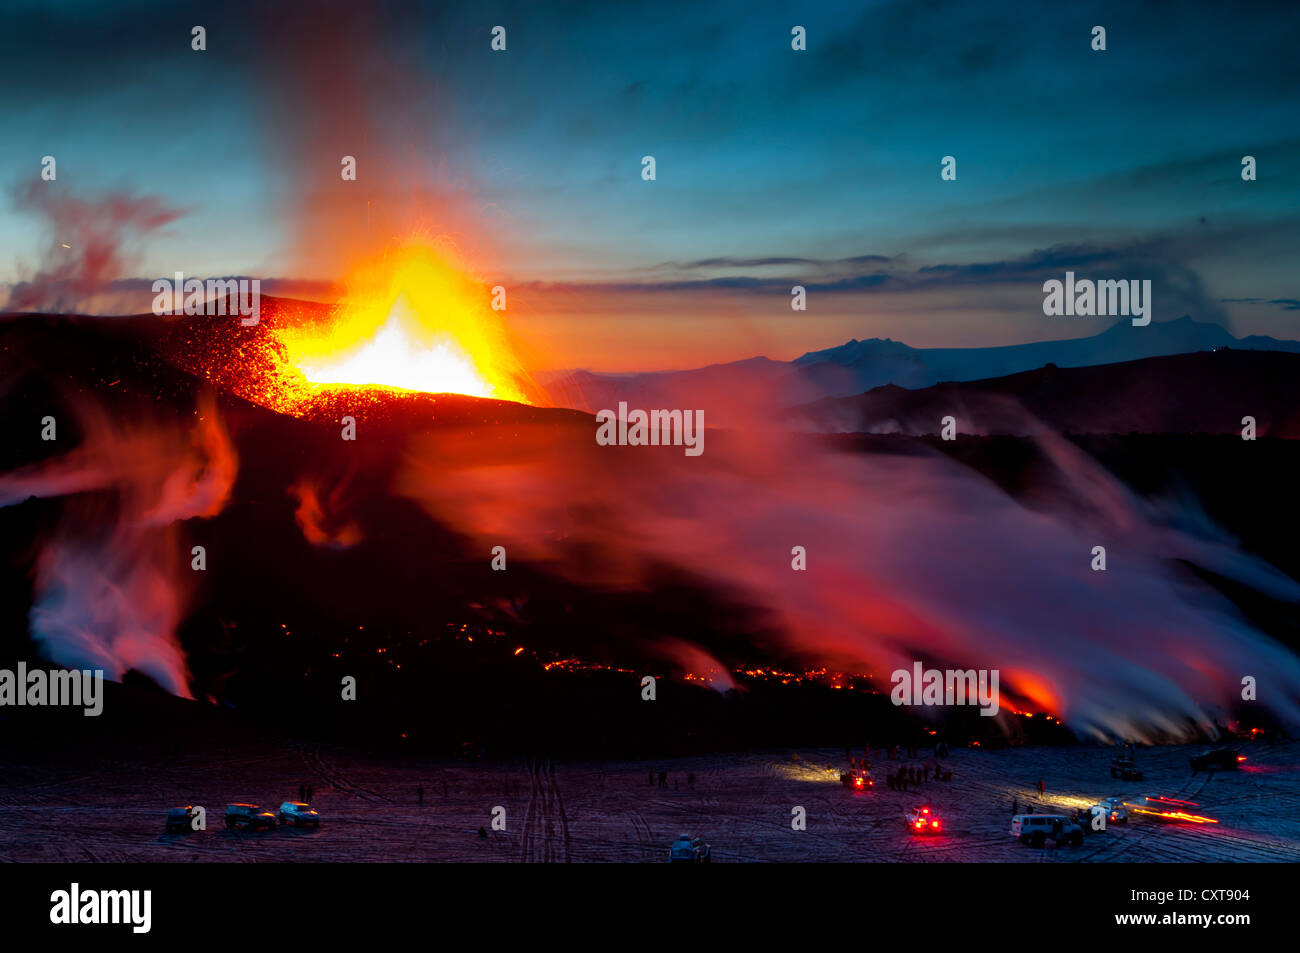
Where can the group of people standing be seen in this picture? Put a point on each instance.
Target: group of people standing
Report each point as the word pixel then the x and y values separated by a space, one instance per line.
pixel 909 774
pixel 914 775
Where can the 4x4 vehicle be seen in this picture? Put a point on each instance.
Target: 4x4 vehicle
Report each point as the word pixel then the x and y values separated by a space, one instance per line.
pixel 1124 768
pixel 1111 808
pixel 180 819
pixel 1223 759
pixel 1083 818
pixel 248 817
pixel 689 850
pixel 859 779
pixel 1036 829
pixel 924 820
pixel 297 814
pixel 1118 813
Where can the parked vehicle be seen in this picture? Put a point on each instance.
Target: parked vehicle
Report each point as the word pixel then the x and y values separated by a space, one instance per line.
pixel 1083 817
pixel 689 850
pixel 859 779
pixel 1112 809
pixel 1036 829
pixel 248 817
pixel 297 814
pixel 1222 759
pixel 180 820
pixel 1124 768
pixel 1116 812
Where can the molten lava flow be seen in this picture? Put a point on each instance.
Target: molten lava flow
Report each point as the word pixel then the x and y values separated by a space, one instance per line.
pixel 411 322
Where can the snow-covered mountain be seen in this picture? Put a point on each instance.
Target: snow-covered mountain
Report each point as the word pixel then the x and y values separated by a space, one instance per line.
pixel 737 391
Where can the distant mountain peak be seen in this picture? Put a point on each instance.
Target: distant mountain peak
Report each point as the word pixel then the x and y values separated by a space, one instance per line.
pixel 859 365
pixel 854 350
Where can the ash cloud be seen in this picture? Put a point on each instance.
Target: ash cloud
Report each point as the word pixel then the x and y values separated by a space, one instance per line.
pixel 93 242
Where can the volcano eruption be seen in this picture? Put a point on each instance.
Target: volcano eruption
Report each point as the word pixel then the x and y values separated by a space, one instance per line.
pixel 467 417
pixel 369 476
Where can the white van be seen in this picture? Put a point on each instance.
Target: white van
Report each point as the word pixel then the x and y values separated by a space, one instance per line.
pixel 1037 829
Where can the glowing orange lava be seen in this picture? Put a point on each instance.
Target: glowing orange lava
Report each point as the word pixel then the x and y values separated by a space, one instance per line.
pixel 395 357
pixel 411 321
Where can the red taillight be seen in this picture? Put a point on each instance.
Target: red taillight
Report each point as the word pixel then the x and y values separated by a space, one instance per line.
pixel 920 824
pixel 934 823
pixel 1241 757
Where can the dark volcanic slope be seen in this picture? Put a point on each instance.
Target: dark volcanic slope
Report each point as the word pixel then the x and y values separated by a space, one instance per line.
pixel 411 608
pixel 1206 392
pixel 449 650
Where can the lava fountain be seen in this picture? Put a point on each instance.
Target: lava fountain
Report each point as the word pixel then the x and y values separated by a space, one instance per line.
pixel 411 321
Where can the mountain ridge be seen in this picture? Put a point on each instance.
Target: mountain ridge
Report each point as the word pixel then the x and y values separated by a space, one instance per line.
pixel 1148 395
pixel 741 389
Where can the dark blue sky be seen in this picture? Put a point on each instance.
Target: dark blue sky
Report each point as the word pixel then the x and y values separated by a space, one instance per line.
pixel 774 166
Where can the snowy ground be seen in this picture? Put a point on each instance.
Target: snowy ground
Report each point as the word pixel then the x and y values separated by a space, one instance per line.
pixel 740 803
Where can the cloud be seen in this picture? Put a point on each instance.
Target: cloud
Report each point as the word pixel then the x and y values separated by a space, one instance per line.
pixel 1287 304
pixel 1177 286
